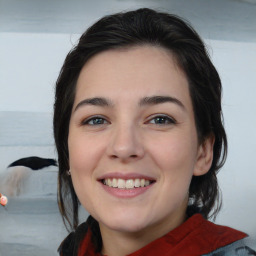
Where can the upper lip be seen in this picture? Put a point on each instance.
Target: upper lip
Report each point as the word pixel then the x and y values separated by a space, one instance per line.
pixel 125 176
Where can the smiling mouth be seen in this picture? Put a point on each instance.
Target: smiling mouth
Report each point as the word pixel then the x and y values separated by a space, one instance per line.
pixel 126 184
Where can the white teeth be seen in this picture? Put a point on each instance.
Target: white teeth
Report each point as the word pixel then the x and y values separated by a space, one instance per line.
pixel 121 183
pixel 129 184
pixel 109 182
pixel 126 184
pixel 114 183
pixel 137 183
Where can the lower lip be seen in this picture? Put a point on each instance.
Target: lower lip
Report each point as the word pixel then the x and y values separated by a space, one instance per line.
pixel 126 193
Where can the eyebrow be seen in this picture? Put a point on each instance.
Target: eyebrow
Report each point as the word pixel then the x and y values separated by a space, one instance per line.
pixel 98 101
pixel 153 100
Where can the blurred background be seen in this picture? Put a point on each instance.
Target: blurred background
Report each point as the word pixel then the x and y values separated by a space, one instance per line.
pixel 35 37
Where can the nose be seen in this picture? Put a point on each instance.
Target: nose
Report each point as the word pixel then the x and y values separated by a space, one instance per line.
pixel 125 143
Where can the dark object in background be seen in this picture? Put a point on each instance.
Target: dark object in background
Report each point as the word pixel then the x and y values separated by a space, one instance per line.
pixel 34 162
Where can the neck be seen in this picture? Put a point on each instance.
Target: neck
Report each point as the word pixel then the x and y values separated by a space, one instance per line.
pixel 118 243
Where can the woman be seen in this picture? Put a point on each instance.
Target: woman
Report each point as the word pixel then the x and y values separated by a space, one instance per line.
pixel 139 134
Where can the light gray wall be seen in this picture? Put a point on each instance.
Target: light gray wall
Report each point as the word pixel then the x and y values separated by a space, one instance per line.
pixel 233 20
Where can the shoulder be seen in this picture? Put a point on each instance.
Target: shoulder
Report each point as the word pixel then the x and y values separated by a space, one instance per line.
pixel 204 237
pixel 206 230
pixel 219 235
pixel 238 248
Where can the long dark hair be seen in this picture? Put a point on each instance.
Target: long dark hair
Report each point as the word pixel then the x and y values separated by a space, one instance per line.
pixel 145 27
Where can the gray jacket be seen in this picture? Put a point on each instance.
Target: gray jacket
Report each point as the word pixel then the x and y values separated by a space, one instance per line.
pixel 238 248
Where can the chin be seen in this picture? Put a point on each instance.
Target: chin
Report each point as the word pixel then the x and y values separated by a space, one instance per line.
pixel 130 223
pixel 127 227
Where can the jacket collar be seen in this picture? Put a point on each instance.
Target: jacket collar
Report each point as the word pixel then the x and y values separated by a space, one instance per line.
pixel 194 237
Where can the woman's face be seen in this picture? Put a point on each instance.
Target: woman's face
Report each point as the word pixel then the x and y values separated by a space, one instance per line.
pixel 132 141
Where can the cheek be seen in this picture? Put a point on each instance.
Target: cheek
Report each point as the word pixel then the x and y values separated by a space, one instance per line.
pixel 84 153
pixel 175 154
pixel 175 157
pixel 176 161
pixel 83 157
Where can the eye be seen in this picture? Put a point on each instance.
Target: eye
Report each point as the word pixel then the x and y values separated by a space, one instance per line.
pixel 162 120
pixel 94 121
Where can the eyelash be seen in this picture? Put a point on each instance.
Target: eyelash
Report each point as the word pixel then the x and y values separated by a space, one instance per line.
pixel 164 120
pixel 94 118
pixel 167 120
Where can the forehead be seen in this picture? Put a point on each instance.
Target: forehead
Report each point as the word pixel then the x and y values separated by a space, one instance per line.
pixel 138 71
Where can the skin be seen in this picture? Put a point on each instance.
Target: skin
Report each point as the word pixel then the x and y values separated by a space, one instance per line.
pixel 128 138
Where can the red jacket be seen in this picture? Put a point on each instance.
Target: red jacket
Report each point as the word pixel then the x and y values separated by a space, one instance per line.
pixel 194 237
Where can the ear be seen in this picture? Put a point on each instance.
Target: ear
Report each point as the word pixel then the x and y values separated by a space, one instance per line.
pixel 204 156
